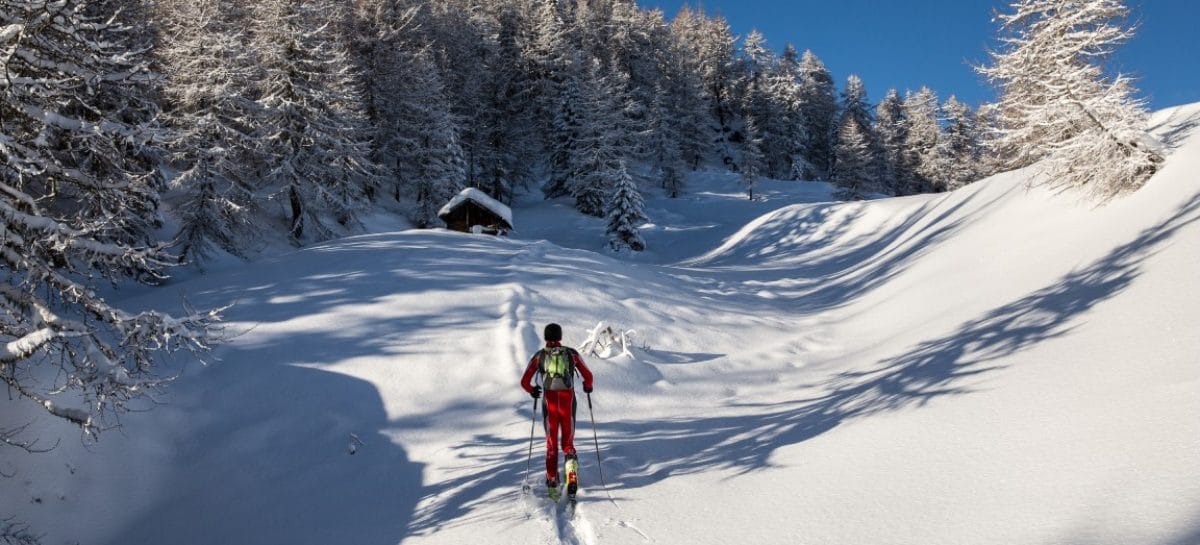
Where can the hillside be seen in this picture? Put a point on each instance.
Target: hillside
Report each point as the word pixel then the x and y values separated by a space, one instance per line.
pixel 994 365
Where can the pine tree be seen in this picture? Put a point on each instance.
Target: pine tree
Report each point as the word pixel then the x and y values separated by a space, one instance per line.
pixel 891 126
pixel 508 131
pixel 715 43
pixel 208 89
pixel 854 170
pixel 625 211
pixel 958 146
pixel 1057 104
pixel 684 93
pixel 819 114
pixel 920 164
pixel 593 150
pixel 854 103
pixel 666 147
pixel 389 56
pixel 77 137
pixel 430 168
pixel 752 158
pixel 856 107
pixel 314 124
pixel 786 88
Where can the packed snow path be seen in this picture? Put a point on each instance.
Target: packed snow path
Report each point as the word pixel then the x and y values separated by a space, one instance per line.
pixel 995 365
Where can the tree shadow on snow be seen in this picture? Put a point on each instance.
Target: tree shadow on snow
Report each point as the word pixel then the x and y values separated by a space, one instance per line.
pixel 935 368
pixel 267 460
pixel 1180 128
pixel 813 279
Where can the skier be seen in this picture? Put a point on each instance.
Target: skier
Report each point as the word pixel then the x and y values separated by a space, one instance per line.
pixel 557 365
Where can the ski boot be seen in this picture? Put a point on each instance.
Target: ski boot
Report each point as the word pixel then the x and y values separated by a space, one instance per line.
pixel 552 490
pixel 572 477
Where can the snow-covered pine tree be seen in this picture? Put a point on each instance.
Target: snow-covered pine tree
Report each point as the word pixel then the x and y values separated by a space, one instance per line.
pixel 785 88
pixel 1058 104
pixel 854 103
pixel 430 168
pixel 818 103
pixel 666 149
pixel 76 129
pixel 958 146
pixel 684 91
pixel 854 169
pixel 207 86
pixel 546 50
pixel 569 120
pixel 625 211
pixel 856 107
pixel 506 124
pixel 920 162
pixel 314 126
pixel 385 46
pixel 751 165
pixel 765 96
pixel 596 151
pixel 987 121
pixel 891 127
pixel 715 42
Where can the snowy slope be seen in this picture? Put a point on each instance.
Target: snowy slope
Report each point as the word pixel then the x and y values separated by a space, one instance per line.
pixel 995 365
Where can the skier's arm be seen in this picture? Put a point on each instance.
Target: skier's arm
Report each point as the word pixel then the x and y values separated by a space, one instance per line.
pixel 583 370
pixel 527 378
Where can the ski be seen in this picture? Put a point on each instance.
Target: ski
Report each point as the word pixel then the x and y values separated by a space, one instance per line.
pixel 572 485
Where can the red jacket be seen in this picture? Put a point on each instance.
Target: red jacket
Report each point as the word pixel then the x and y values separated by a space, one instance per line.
pixel 532 368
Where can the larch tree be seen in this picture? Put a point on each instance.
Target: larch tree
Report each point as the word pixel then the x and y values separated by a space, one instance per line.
pixel 683 89
pixel 430 164
pixel 855 103
pixel 920 168
pixel 207 87
pixel 625 211
pixel 76 131
pixel 958 146
pixel 854 170
pixel 1059 105
pixel 752 163
pixel 596 151
pixel 891 129
pixel 818 99
pixel 855 106
pixel 785 87
pixel 313 124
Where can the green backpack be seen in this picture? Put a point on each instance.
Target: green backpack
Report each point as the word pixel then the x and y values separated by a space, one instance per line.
pixel 557 368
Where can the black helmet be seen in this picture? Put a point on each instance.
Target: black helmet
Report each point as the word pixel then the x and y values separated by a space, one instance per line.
pixel 553 332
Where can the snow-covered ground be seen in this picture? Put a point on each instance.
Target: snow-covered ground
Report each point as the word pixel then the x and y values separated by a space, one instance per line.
pixel 997 365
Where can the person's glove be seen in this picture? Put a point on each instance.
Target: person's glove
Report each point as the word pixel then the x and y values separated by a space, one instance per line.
pixel 587 389
pixel 536 392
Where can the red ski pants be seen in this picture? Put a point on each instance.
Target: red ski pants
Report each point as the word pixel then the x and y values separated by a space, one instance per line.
pixel 558 418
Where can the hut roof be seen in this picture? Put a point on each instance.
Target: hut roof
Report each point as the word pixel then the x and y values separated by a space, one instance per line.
pixel 482 199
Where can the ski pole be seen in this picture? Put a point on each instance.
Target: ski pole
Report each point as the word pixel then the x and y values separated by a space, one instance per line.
pixel 529 460
pixel 596 441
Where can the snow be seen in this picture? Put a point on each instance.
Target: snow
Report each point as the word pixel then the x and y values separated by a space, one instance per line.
pixel 480 198
pixel 997 365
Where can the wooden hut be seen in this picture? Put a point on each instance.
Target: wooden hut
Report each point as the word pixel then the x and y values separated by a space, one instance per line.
pixel 474 211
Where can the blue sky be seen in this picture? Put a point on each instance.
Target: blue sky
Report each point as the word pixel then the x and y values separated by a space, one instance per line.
pixel 906 44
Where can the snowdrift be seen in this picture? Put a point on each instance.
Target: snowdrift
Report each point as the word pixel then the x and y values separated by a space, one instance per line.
pixel 994 365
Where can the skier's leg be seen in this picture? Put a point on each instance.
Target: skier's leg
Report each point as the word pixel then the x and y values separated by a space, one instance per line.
pixel 554 419
pixel 550 421
pixel 568 428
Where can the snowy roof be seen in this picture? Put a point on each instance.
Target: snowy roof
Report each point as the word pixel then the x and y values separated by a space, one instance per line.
pixel 482 199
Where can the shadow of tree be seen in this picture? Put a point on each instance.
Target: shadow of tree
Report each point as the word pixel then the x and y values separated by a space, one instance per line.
pixel 1180 128
pixel 814 278
pixel 638 453
pixel 267 460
